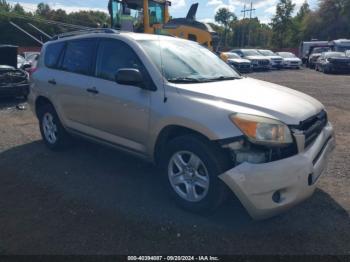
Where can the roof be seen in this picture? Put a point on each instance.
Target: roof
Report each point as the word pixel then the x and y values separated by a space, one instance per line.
pixel 110 32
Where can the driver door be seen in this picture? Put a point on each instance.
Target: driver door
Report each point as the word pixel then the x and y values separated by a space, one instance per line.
pixel 119 113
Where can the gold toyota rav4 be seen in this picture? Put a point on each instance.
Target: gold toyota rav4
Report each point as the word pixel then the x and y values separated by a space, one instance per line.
pixel 175 103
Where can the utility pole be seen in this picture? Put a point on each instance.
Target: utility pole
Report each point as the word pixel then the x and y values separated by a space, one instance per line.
pixel 250 10
pixel 242 38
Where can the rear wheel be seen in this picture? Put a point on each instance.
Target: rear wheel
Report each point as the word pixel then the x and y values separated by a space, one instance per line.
pixel 51 129
pixel 192 166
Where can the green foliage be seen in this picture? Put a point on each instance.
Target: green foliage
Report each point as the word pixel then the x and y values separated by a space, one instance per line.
pixel 282 23
pixel 224 16
pixel 16 14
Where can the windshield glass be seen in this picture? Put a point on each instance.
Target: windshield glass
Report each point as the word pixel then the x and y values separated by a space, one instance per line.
pixel 184 61
pixel 232 56
pixel 335 54
pixel 286 55
pixel 250 53
pixel 342 48
pixel 156 12
pixel 320 50
pixel 266 52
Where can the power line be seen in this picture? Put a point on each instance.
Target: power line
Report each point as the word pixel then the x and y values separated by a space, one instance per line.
pixel 244 11
pixel 42 20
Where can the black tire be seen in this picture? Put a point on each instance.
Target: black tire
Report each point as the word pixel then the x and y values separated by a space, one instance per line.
pixel 216 162
pixel 63 139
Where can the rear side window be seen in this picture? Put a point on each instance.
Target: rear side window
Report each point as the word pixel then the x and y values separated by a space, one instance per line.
pixel 78 56
pixel 52 54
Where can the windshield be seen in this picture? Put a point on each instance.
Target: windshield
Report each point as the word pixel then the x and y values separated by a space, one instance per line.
pixel 185 61
pixel 334 54
pixel 320 50
pixel 267 52
pixel 342 48
pixel 250 53
pixel 232 56
pixel 286 55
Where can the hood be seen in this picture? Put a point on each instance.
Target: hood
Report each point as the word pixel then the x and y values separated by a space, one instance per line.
pixel 339 59
pixel 274 57
pixel 292 59
pixel 256 97
pixel 315 55
pixel 256 57
pixel 238 60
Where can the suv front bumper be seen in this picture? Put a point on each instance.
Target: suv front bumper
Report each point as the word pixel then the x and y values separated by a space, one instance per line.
pixel 294 178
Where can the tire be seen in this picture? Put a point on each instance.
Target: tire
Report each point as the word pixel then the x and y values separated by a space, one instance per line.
pixel 206 191
pixel 52 131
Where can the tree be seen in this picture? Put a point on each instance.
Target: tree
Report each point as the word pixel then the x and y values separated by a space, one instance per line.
pixel 296 32
pixel 303 11
pixel 282 22
pixel 224 16
pixel 4 6
pixel 43 10
pixel 18 9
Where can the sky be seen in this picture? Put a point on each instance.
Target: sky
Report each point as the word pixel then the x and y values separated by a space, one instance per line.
pixel 265 9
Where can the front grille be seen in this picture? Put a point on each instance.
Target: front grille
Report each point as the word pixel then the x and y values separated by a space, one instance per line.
pixel 12 77
pixel 244 66
pixel 312 127
pixel 341 64
pixel 263 62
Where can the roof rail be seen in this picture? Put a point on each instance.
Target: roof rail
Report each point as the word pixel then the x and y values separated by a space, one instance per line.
pixel 85 31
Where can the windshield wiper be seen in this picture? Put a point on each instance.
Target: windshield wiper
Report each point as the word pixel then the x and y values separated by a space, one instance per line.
pixel 184 80
pixel 224 78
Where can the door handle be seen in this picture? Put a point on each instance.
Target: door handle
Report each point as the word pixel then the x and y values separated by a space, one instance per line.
pixel 92 90
pixel 52 82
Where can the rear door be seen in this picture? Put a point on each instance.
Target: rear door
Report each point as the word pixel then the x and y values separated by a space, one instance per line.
pixel 72 82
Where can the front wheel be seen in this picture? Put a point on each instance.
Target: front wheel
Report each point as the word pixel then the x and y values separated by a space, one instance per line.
pixel 192 166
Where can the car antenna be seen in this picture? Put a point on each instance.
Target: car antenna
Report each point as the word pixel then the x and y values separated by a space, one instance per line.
pixel 162 69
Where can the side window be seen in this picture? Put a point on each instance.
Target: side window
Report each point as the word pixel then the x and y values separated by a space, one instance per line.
pixel 52 54
pixel 78 56
pixel 114 55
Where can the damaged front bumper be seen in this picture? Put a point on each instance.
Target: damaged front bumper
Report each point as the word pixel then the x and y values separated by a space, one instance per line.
pixel 270 188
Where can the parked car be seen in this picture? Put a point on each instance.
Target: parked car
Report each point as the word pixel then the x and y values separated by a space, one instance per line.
pixel 276 61
pixel 208 128
pixel 13 81
pixel 333 62
pixel 347 53
pixel 315 53
pixel 240 64
pixel 258 61
pixel 290 60
pixel 340 45
pixel 305 46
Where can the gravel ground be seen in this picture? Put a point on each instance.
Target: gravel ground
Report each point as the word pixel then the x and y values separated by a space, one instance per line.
pixel 93 200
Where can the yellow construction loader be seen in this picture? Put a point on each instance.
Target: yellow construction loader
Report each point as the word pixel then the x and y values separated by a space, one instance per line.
pixel 152 17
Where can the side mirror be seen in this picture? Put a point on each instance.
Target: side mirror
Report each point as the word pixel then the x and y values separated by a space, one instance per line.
pixel 129 76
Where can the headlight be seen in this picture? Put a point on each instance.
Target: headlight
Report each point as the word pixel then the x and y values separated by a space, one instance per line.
pixel 262 130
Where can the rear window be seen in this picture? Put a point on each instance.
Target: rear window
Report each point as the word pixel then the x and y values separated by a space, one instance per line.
pixel 78 56
pixel 52 54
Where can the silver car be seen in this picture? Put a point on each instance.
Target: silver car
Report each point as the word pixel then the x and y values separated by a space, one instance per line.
pixel 171 101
